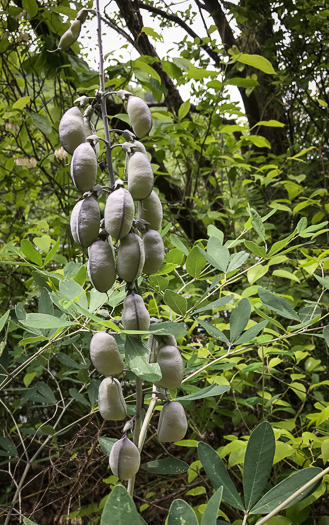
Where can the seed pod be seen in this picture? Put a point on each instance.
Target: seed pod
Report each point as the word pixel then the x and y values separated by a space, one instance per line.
pixel 124 459
pixel 119 213
pixel 71 129
pixel 82 15
pixel 172 367
pixel 84 167
pixel 101 266
pixel 154 251
pixel 150 209
pixel 140 176
pixel 104 354
pixel 91 130
pixel 85 221
pixel 131 257
pixel 172 422
pixel 133 146
pixel 140 116
pixel 156 342
pixel 70 36
pixel 135 315
pixel 111 403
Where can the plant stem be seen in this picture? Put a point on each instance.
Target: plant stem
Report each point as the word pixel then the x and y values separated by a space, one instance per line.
pixel 103 98
pixel 245 517
pixel 137 425
pixel 147 418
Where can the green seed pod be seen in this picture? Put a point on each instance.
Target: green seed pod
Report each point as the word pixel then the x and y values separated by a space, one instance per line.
pixel 150 209
pixel 111 403
pixel 119 213
pixel 85 221
pixel 104 354
pixel 131 257
pixel 84 167
pixel 135 315
pixel 140 176
pixel 156 342
pixel 172 423
pixel 172 367
pixel 69 37
pixel 82 15
pixel 140 116
pixel 101 266
pixel 72 130
pixel 124 459
pixel 154 252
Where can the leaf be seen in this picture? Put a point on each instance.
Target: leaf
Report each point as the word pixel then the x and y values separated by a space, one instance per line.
pixel 324 281
pixel 259 251
pixel 46 392
pixel 166 466
pixel 278 494
pixel 249 334
pixel 286 275
pixel 26 521
pixel 137 360
pixel 4 319
pixel 184 109
pixel 178 243
pixel 180 513
pixel 8 447
pixel 78 397
pixel 237 260
pixel 175 301
pixel 258 462
pixel 31 7
pixel 144 66
pixel 213 331
pixel 218 475
pixel 209 391
pixel 257 224
pixel 215 304
pixel 270 123
pixel 149 31
pixel 256 61
pixel 256 272
pixel 278 304
pixel 106 444
pixel 45 321
pixel 42 122
pixel 239 318
pixel 326 334
pixel 194 262
pixel 169 328
pixel 219 253
pixel 210 514
pixel 120 509
pixel 30 252
pixel 51 254
pixel 21 103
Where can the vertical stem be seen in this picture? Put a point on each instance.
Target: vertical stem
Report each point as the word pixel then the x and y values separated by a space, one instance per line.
pixel 103 99
pixel 137 425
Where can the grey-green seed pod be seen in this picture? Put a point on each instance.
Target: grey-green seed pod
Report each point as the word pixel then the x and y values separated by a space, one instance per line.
pixel 82 15
pixel 156 342
pixel 140 116
pixel 91 130
pixel 101 266
pixel 124 459
pixel 104 354
pixel 85 221
pixel 72 130
pixel 172 423
pixel 154 252
pixel 150 209
pixel 119 213
pixel 84 167
pixel 172 367
pixel 140 176
pixel 131 257
pixel 111 403
pixel 135 315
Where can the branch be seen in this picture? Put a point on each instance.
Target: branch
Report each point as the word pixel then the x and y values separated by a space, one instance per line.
pixel 215 10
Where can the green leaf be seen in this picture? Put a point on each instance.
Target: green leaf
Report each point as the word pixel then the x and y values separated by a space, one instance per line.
pixel 8 447
pixel 215 304
pixel 257 140
pixel 180 513
pixel 218 475
pixel 209 391
pixel 144 66
pixel 239 318
pixel 219 253
pixel 26 521
pixel 149 31
pixel 42 122
pixel 256 61
pixel 45 321
pixel 30 252
pixel 106 444
pixel 3 319
pixel 278 304
pixel 259 251
pixel 178 243
pixel 237 260
pixel 213 331
pixel 324 281
pixel 194 262
pixel 120 509
pixel 169 328
pixel 52 253
pixel 249 334
pixel 286 275
pixel 31 7
pixel 176 302
pixel 270 123
pixel 166 466
pixel 137 360
pixel 258 462
pixel 46 392
pixel 278 494
pixel 28 378
pixel 184 109
pixel 256 272
pixel 257 224
pixel 212 231
pixel 326 334
pixel 78 397
pixel 210 514
pixel 21 103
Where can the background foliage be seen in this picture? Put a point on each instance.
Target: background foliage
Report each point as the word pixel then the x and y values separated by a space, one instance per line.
pixel 245 196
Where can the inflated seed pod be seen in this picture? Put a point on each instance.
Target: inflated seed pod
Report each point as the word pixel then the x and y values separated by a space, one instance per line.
pixel 172 424
pixel 111 403
pixel 82 15
pixel 140 116
pixel 135 315
pixel 155 342
pixel 104 354
pixel 72 129
pixel 124 459
pixel 119 213
pixel 84 167
pixel 130 147
pixel 91 130
pixel 131 257
pixel 172 367
pixel 150 209
pixel 85 221
pixel 70 36
pixel 140 176
pixel 154 251
pixel 101 265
